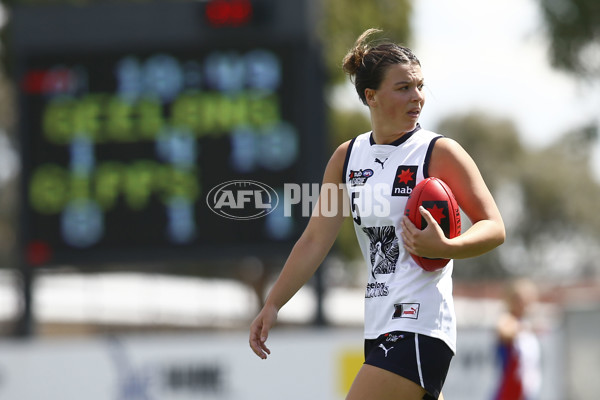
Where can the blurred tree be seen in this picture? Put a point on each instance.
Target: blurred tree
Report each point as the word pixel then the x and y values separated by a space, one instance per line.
pixel 566 192
pixel 574 30
pixel 561 196
pixel 494 145
pixel 344 20
pixel 489 140
pixel 547 197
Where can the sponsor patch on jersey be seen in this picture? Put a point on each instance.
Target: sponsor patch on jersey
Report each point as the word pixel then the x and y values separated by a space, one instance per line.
pixel 406 310
pixel 359 178
pixel 404 180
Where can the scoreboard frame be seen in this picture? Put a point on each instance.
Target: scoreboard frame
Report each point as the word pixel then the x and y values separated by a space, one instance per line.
pixel 80 37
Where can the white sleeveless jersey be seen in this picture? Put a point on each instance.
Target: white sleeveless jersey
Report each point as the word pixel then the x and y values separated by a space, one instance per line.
pixel 399 295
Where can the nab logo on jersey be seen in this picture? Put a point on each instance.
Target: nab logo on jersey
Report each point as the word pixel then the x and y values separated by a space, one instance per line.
pixel 404 180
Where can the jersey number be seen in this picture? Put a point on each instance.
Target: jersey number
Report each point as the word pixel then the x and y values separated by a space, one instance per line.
pixel 355 215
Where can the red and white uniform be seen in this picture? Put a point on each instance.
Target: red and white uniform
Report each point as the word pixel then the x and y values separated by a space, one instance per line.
pixel 520 375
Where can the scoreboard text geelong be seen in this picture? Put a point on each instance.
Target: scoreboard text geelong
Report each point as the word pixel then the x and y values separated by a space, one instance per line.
pixel 122 142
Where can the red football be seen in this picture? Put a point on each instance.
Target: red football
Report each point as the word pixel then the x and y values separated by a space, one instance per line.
pixel 437 198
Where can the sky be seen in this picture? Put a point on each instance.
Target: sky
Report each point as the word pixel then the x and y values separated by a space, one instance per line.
pixel 492 56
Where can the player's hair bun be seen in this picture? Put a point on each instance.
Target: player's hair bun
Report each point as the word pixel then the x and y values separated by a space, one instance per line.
pixel 354 58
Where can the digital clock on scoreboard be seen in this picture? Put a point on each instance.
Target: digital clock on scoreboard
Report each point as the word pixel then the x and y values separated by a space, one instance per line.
pixel 123 135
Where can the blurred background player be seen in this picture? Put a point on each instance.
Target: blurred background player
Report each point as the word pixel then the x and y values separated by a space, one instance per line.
pixel 518 348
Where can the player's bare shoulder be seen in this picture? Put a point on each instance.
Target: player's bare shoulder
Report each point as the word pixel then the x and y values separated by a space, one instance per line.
pixel 338 159
pixel 450 161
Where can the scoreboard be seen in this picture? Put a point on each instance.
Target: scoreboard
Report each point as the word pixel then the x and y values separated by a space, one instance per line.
pixel 131 113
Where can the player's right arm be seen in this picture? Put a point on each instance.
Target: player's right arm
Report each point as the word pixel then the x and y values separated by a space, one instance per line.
pixel 308 252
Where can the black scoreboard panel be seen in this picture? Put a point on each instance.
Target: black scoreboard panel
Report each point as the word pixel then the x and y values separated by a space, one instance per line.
pixel 131 113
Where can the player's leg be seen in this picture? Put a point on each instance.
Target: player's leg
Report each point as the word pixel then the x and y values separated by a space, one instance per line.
pixel 376 383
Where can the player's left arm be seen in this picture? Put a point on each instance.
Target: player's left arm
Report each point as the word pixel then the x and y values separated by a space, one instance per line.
pixel 452 164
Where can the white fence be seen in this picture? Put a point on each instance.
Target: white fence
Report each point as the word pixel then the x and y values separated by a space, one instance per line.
pixel 305 364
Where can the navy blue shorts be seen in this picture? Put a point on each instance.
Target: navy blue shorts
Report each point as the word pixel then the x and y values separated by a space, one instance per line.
pixel 419 358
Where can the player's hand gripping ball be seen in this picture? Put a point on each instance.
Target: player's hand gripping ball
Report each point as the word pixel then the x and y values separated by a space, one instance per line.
pixel 437 198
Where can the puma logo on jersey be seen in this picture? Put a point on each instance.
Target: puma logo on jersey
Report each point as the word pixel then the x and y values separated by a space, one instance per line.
pixel 386 350
pixel 377 160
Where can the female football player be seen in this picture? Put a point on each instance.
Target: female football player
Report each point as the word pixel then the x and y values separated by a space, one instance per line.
pixel 410 325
